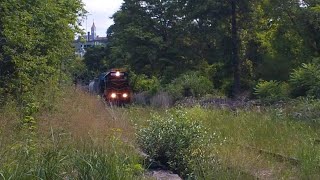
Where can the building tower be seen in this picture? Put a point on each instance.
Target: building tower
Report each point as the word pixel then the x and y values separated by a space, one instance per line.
pixel 93 32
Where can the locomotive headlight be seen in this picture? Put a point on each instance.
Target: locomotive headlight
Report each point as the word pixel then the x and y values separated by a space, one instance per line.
pixel 124 95
pixel 118 74
pixel 113 95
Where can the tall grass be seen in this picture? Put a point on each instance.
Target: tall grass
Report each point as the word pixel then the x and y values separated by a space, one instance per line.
pixel 267 132
pixel 79 138
pixel 241 136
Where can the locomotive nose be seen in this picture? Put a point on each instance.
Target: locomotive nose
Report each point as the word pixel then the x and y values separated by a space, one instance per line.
pixel 113 95
pixel 124 95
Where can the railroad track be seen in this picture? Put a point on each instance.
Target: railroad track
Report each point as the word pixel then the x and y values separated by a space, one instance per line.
pixel 276 156
pixel 280 157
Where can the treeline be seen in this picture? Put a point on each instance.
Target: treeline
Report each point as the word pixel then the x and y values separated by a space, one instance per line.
pixel 36 50
pixel 231 43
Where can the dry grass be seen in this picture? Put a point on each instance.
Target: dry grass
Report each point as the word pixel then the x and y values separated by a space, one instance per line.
pixel 9 120
pixel 79 138
pixel 77 113
pixel 255 163
pixel 85 116
pixel 161 100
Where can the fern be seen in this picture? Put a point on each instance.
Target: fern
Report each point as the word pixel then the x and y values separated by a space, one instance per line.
pixel 272 90
pixel 305 81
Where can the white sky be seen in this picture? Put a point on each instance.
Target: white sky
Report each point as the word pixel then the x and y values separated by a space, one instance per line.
pixel 100 11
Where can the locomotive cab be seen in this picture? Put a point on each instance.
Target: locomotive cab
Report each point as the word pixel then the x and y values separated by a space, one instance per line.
pixel 117 89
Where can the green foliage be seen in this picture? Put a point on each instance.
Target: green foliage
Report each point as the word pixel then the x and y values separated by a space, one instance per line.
pixel 77 70
pixel 309 162
pixel 174 140
pixel 60 148
pixel 58 160
pixel 273 38
pixel 190 84
pixel 215 72
pixel 272 90
pixel 35 46
pixel 98 163
pixel 142 83
pixel 245 85
pixel 305 80
pixel 167 42
pixel 235 132
pixel 96 60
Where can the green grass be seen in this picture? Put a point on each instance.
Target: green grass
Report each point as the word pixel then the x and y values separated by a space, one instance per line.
pixel 238 135
pixel 85 160
pixel 78 139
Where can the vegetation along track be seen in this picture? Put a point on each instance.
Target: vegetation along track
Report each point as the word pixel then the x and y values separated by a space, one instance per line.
pixel 278 157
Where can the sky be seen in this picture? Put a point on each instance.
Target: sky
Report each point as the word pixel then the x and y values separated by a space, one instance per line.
pixel 100 12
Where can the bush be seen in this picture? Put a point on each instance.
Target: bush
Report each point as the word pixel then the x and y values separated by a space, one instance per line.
pixel 271 91
pixel 305 81
pixel 190 84
pixel 142 83
pixel 228 83
pixel 226 87
pixel 174 140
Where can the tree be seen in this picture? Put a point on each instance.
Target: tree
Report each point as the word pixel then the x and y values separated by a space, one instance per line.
pixel 235 55
pixel 96 60
pixel 286 37
pixel 239 41
pixel 36 38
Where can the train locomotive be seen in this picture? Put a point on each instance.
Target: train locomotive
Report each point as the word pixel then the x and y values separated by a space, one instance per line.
pixel 113 86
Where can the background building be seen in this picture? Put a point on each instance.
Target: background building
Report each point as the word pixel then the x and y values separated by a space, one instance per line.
pixel 88 40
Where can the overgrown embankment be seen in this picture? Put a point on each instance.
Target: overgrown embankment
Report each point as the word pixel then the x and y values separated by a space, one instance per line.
pixel 77 139
pixel 229 144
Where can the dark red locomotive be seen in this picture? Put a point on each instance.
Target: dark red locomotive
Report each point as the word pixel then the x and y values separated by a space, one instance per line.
pixel 117 88
pixel 113 86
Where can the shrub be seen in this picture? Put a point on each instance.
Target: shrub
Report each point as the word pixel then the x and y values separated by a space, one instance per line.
pixel 226 87
pixel 190 84
pixel 228 83
pixel 174 140
pixel 272 90
pixel 305 81
pixel 142 83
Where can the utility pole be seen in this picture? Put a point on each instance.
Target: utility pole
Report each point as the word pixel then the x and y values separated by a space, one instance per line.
pixel 87 25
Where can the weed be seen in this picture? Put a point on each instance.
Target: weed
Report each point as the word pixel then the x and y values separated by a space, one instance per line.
pixel 176 141
pixel 79 139
pixel 227 153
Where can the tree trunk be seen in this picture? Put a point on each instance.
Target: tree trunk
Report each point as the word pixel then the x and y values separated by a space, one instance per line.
pixel 235 54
